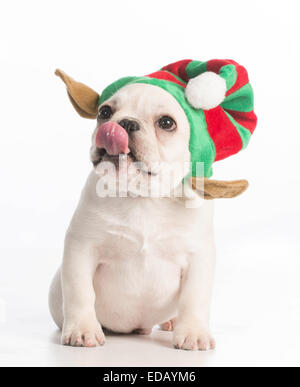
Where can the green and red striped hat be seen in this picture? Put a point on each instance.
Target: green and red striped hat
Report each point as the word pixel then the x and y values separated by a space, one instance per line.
pixel 217 99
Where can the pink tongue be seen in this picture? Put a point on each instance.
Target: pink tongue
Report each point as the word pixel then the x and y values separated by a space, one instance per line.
pixel 113 138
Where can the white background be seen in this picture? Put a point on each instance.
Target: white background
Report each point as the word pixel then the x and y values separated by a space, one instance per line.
pixel 44 162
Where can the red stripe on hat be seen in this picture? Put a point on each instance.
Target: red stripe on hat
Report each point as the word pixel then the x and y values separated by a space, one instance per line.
pixel 223 133
pixel 247 119
pixel 179 69
pixel 215 65
pixel 242 75
pixel 164 75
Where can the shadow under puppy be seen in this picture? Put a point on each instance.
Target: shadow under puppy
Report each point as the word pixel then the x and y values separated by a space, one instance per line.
pixel 134 261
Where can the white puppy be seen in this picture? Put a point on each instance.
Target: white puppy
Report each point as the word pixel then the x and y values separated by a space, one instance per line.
pixel 133 262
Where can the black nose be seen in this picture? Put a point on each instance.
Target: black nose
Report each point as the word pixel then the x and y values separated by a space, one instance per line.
pixel 129 125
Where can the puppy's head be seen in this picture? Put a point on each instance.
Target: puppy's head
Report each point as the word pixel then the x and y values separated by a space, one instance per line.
pixel 144 128
pixel 148 125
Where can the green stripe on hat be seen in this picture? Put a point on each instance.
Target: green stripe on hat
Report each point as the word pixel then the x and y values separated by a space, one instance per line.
pixel 202 147
pixel 196 68
pixel 114 87
pixel 229 73
pixel 241 101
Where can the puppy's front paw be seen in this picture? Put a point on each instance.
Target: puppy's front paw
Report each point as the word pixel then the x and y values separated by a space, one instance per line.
pixel 193 338
pixel 86 333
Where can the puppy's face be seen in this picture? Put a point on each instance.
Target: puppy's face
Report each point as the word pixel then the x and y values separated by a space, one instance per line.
pixel 158 133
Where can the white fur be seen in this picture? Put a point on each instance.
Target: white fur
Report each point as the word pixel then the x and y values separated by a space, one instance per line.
pixel 132 263
pixel 206 91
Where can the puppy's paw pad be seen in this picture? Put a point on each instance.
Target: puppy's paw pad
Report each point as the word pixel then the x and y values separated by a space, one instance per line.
pixel 191 340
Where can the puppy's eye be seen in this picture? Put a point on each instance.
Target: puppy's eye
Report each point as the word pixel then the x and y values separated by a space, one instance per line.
pixel 167 123
pixel 105 113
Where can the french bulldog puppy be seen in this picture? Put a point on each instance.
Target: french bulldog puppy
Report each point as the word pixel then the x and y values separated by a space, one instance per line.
pixel 132 262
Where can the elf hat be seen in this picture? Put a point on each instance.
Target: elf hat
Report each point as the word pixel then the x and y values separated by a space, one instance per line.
pixel 217 99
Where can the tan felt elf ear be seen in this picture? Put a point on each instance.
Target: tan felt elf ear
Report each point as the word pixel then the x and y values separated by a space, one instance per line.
pixel 83 98
pixel 214 189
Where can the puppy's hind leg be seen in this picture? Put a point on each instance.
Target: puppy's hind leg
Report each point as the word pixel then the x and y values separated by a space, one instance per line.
pixel 143 332
pixel 168 326
pixel 56 300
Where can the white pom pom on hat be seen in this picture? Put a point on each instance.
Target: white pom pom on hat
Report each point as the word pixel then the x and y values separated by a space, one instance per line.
pixel 206 91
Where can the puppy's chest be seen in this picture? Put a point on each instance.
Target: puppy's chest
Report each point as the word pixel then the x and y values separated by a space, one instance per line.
pixel 143 235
